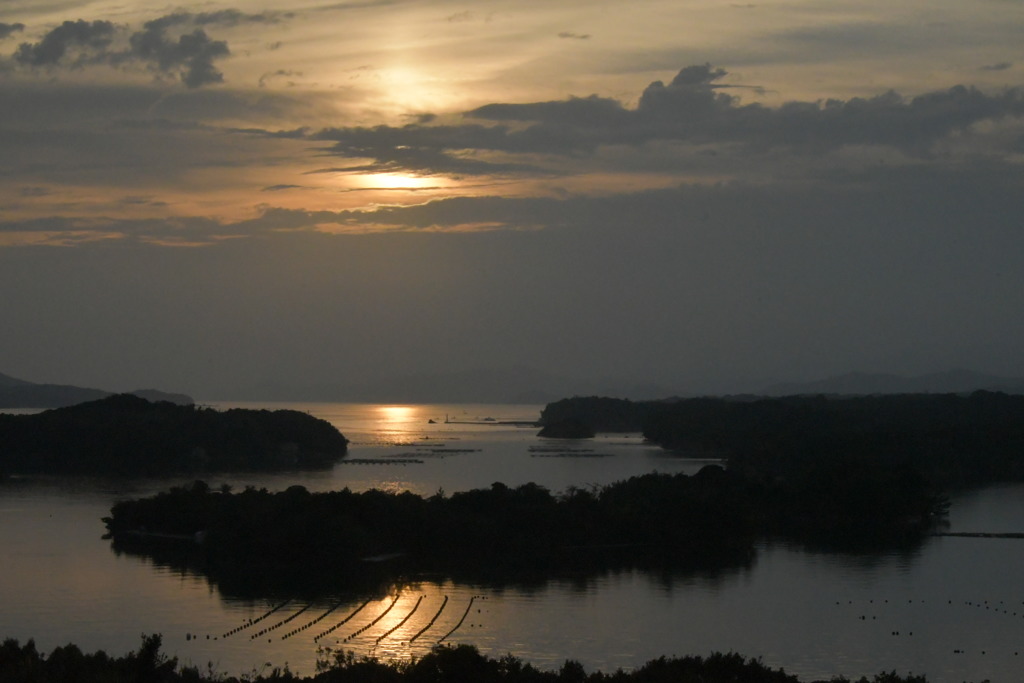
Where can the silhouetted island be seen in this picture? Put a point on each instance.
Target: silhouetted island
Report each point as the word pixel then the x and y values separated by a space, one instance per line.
pixel 953 440
pixel 126 434
pixel 298 541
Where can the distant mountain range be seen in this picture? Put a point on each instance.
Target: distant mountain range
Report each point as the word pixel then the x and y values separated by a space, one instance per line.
pixel 514 384
pixel 19 393
pixel 866 383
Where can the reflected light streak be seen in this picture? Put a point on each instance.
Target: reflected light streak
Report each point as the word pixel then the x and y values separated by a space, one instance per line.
pixel 394 415
pixel 394 422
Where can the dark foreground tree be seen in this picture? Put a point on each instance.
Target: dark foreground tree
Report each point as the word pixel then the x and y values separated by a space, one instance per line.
pixel 444 664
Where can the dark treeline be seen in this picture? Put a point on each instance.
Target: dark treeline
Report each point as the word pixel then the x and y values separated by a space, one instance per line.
pixel 444 664
pixel 710 519
pixel 950 439
pixel 126 434
pixel 711 511
pixel 600 413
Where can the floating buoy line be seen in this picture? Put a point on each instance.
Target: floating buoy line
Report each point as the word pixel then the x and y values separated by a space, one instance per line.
pixel 464 615
pixel 401 623
pixel 343 621
pixel 374 622
pixel 361 609
pixel 432 620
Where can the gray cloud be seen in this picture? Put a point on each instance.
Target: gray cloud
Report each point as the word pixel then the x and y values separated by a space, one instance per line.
pixel 280 73
pixel 279 188
pixel 576 111
pixel 66 229
pixel 693 109
pixel 358 4
pixel 175 43
pixel 137 140
pixel 574 36
pixel 424 149
pixel 90 37
pixel 870 199
pixel 9 29
pixel 225 17
pixel 1001 66
pixel 193 53
pixel 234 17
pixel 862 37
pixel 35 191
pixel 32 105
pixel 136 200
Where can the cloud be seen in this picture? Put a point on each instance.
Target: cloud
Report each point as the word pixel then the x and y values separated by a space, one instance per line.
pixel 234 17
pixel 280 73
pixel 591 111
pixel 423 149
pixel 88 37
pixel 279 188
pixel 173 44
pixel 357 5
pixel 30 105
pixel 574 36
pixel 225 17
pixel 64 230
pixel 10 29
pixel 694 112
pixel 136 200
pixel 1001 66
pixel 935 195
pixel 35 191
pixel 193 53
pixel 859 37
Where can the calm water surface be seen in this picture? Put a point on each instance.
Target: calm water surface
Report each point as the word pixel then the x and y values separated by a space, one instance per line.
pixel 953 609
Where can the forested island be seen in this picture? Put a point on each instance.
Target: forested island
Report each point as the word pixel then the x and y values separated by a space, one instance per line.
pixel 951 439
pixel 443 664
pixel 125 434
pixel 258 542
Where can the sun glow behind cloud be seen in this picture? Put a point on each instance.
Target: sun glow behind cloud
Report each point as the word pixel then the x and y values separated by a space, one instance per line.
pixel 395 181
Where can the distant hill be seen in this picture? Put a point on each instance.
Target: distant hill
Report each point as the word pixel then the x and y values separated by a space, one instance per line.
pixel 8 381
pixel 865 383
pixel 19 393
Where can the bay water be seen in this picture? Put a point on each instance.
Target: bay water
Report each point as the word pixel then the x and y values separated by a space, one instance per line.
pixel 952 609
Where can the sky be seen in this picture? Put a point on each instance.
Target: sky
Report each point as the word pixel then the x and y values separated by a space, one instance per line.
pixel 686 195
